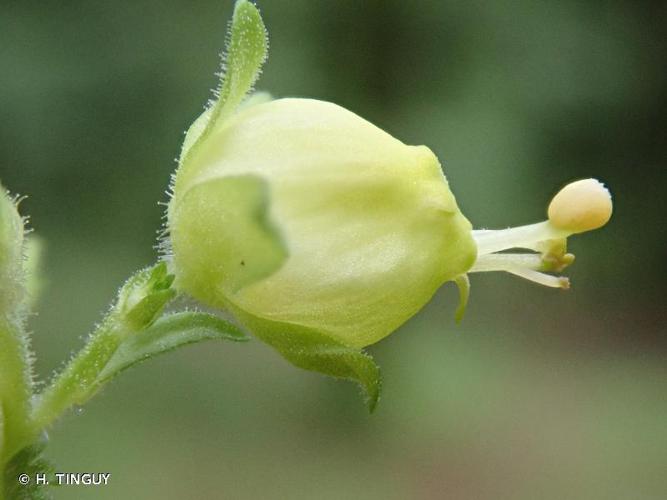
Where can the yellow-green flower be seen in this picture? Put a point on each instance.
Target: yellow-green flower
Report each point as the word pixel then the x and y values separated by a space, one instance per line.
pixel 300 211
pixel 322 233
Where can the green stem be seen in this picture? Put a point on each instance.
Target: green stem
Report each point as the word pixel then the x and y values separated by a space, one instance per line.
pixel 15 388
pixel 77 383
pixel 140 302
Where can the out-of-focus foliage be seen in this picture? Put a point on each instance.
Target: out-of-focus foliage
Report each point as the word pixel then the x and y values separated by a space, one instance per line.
pixel 538 394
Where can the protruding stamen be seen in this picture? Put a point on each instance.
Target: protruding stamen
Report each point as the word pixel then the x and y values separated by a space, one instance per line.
pixel 504 261
pixel 527 266
pixel 541 278
pixel 580 206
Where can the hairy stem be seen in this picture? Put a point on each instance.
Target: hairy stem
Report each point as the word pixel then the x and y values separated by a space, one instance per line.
pixel 77 383
pixel 15 388
pixel 140 302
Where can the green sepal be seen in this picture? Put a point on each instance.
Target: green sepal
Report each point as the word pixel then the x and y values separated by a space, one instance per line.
pixel 245 53
pixel 166 334
pixel 211 257
pixel 199 125
pixel 316 351
pixel 463 284
pixel 30 461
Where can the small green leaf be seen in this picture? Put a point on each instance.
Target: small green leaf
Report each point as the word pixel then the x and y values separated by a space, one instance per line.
pixel 166 334
pixel 316 351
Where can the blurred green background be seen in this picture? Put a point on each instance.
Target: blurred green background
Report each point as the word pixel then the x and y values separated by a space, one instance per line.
pixel 539 394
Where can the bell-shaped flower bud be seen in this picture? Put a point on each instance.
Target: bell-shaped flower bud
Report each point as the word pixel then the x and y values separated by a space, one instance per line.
pixel 318 230
pixel 300 211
